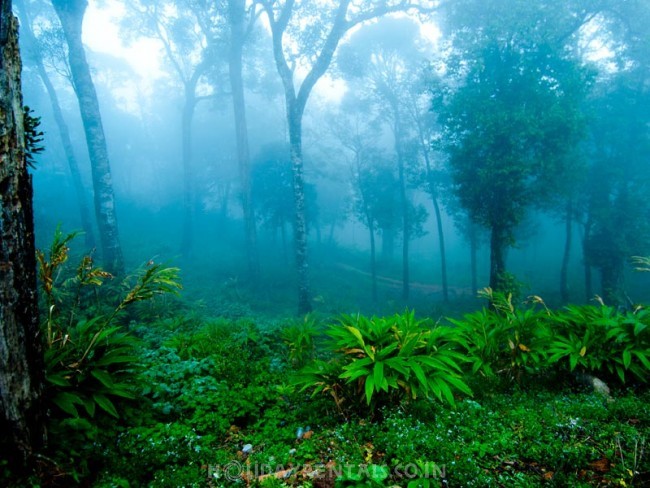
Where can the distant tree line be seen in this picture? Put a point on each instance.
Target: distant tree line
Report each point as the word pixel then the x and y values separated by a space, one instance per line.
pixel 513 109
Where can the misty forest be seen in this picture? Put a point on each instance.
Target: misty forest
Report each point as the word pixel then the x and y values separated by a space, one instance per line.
pixel 325 243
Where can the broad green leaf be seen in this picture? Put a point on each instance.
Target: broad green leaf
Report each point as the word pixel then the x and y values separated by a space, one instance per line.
pixel 419 373
pixel 378 374
pixel 643 357
pixel 627 358
pixel 105 404
pixel 370 388
pixel 446 391
pixel 89 405
pixel 104 377
pixel 58 378
pixel 355 332
pixel 459 384
pixel 66 402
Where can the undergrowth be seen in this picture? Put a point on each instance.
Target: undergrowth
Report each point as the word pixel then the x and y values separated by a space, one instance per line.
pixel 145 390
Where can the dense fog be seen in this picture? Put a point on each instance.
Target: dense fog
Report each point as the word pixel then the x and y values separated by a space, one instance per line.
pixel 348 156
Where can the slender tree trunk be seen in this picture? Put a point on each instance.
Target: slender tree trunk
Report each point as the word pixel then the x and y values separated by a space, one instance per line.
pixel 589 287
pixel 330 235
pixel 566 257
pixel 300 222
pixel 71 13
pixel 497 258
pixel 21 362
pixel 188 171
pixel 373 258
pixel 436 209
pixel 387 244
pixel 237 18
pixel 404 203
pixel 64 133
pixel 283 235
pixel 405 231
pixel 441 247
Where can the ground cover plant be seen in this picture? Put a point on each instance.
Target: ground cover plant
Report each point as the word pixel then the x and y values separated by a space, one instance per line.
pixel 143 391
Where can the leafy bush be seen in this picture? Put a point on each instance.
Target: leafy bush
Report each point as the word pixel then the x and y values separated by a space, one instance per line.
pixel 505 341
pixel 299 339
pixel 601 340
pixel 384 360
pixel 502 340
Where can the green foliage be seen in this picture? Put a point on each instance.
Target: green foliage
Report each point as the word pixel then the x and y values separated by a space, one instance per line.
pixel 502 340
pixel 33 136
pixel 600 339
pixel 89 365
pixel 88 361
pixel 532 438
pixel 299 339
pixel 385 360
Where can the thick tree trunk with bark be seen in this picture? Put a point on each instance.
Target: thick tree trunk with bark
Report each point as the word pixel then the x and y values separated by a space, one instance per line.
pixel 64 133
pixel 497 257
pixel 71 13
pixel 237 26
pixel 21 367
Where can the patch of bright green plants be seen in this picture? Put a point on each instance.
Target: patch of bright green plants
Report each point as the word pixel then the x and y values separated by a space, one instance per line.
pixel 384 360
pixel 503 340
pixel 207 387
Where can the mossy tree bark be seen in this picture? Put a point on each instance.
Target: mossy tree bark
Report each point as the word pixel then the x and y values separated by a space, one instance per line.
pixel 21 369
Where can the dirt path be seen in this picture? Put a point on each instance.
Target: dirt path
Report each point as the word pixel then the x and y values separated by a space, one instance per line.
pixel 424 288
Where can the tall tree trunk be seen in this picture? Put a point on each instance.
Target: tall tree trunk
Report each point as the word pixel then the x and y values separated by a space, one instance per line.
pixel 21 363
pixel 473 250
pixel 497 258
pixel 436 208
pixel 373 257
pixel 300 221
pixel 387 244
pixel 589 287
pixel 566 257
pixel 237 30
pixel 188 170
pixel 405 229
pixel 71 13
pixel 441 247
pixel 64 133
pixel 404 203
